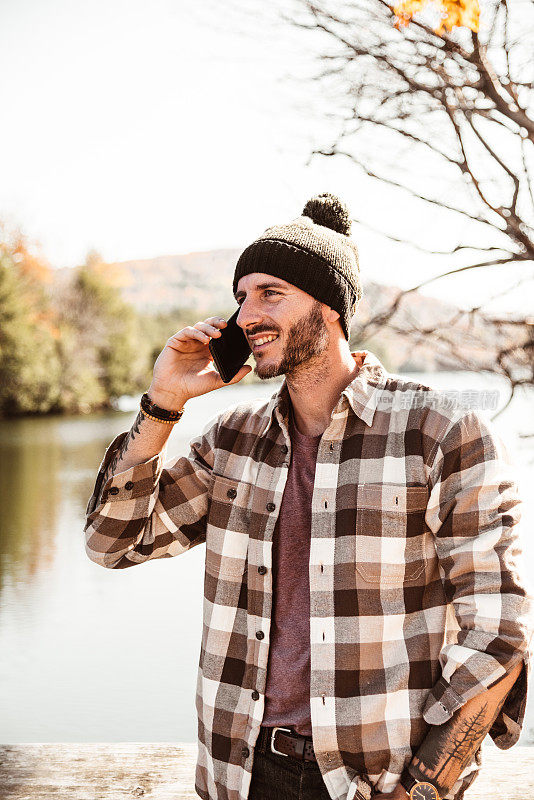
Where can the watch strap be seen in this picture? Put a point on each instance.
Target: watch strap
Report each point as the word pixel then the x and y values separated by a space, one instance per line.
pixel 408 781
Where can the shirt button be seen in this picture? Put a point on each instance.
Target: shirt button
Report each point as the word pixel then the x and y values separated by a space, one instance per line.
pixel 270 506
pixel 231 493
pixel 255 695
pixel 262 570
pixel 259 634
pixel 128 485
pixel 245 752
pixel 114 490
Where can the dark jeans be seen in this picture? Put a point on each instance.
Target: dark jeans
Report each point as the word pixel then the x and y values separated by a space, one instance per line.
pixel 276 777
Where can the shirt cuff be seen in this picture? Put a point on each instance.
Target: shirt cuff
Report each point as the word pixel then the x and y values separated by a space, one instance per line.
pixel 443 701
pixel 137 481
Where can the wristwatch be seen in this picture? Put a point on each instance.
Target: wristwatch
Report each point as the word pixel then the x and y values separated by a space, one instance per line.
pixel 418 790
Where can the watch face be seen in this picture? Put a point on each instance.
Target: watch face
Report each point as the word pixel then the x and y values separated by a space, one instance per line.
pixel 424 791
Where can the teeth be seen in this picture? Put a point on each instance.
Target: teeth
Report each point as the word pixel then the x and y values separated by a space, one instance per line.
pixel 264 339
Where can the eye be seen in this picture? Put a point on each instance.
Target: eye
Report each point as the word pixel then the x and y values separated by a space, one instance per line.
pixel 265 291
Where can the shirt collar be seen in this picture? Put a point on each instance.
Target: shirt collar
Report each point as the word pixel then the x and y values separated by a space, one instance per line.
pixel 362 392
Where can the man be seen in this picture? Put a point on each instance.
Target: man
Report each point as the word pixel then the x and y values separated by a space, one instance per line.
pixel 364 623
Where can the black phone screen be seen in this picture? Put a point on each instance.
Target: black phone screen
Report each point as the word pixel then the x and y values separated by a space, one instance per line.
pixel 230 350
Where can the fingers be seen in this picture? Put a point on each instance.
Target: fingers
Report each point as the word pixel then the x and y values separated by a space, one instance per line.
pixel 211 327
pixel 201 331
pixel 219 321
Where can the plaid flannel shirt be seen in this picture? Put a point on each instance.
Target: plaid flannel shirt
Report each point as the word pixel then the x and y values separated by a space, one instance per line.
pixel 416 600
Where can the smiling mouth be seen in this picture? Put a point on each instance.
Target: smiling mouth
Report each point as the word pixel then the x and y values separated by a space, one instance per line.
pixel 262 342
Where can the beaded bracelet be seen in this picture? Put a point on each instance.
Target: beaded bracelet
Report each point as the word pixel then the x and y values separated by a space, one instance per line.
pixel 165 421
pixel 152 411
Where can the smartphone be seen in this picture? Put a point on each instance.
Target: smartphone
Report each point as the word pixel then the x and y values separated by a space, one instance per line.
pixel 230 350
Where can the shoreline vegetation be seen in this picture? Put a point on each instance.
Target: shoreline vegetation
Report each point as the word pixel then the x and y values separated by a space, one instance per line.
pixel 75 346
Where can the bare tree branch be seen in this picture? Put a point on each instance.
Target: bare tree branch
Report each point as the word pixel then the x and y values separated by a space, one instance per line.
pixel 464 103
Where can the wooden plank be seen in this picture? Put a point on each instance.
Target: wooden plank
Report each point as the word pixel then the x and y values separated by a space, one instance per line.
pixel 91 771
pixel 113 771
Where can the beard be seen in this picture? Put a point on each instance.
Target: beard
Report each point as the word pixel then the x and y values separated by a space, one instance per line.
pixel 306 339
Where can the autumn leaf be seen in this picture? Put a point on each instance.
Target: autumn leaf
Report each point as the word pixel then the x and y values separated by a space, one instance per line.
pixel 453 13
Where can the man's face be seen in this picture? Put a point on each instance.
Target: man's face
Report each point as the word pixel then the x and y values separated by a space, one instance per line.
pixel 272 307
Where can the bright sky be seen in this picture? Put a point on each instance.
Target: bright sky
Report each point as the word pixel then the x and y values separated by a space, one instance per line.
pixel 143 129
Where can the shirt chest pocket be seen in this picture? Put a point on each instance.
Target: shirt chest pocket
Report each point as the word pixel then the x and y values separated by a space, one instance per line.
pixel 227 531
pixel 390 533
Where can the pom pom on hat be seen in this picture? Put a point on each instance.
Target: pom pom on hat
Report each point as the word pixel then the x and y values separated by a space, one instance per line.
pixel 328 210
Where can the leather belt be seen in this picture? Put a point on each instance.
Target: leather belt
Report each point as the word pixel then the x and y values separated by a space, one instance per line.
pixel 286 742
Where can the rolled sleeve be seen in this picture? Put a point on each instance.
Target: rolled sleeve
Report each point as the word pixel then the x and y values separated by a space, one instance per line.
pixel 473 512
pixel 443 701
pixel 137 481
pixel 151 510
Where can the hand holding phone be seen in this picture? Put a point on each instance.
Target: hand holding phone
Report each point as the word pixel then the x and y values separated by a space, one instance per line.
pixel 185 367
pixel 230 350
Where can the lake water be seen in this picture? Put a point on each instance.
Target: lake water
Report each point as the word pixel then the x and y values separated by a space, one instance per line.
pixel 95 655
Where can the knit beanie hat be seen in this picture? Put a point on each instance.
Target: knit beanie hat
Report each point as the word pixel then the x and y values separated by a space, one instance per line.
pixel 313 252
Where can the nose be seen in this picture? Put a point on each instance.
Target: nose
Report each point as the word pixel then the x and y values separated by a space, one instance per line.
pixel 249 314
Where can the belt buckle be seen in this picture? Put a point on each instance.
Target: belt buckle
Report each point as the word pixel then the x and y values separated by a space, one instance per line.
pixel 273 733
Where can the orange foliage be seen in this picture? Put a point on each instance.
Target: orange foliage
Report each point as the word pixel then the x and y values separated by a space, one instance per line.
pixel 30 262
pixel 454 13
pixel 33 269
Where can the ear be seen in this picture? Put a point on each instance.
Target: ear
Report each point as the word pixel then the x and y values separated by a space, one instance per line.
pixel 330 314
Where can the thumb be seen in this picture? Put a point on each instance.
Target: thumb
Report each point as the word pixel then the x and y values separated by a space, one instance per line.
pixel 241 374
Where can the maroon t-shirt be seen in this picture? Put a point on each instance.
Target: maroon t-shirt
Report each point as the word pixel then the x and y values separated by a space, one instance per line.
pixel 287 692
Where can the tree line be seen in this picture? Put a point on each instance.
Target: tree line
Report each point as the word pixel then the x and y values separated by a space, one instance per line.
pixel 70 346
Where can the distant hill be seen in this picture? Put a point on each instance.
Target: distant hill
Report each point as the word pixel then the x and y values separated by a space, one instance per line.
pixel 203 281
